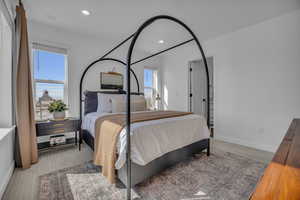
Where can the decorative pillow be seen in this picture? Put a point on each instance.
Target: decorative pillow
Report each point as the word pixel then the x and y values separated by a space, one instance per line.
pixel 137 104
pixel 105 103
pixel 137 97
pixel 90 102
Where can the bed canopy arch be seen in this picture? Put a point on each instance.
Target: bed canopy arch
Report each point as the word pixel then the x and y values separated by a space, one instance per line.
pixel 93 64
pixel 129 55
pixel 134 37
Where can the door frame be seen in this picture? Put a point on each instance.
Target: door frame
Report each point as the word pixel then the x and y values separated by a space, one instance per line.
pixel 189 98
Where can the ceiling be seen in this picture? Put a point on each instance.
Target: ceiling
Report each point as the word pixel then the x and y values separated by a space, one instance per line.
pixel 117 19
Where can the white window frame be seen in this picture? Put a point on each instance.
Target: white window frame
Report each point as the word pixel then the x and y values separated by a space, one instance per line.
pixel 59 50
pixel 155 85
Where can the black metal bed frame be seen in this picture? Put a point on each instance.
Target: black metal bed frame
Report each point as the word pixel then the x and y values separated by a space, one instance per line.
pixel 128 65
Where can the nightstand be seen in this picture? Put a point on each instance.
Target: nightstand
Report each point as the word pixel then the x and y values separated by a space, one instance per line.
pixel 51 128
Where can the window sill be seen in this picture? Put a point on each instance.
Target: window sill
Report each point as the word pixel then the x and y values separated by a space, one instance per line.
pixel 5 131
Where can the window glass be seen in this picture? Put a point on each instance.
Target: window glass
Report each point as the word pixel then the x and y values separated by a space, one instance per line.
pixel 151 88
pixel 148 78
pixel 48 65
pixel 55 90
pixel 49 72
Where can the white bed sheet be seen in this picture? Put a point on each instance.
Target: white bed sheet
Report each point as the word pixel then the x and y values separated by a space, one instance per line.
pixel 152 139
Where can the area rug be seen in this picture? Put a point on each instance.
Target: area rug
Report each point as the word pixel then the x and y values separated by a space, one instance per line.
pixel 222 176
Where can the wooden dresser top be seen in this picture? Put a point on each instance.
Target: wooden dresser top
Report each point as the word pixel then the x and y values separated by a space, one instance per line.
pixel 281 179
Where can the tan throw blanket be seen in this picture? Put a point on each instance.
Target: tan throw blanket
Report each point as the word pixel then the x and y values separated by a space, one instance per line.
pixel 107 130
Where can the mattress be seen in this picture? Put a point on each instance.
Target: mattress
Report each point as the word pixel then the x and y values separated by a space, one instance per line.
pixel 152 139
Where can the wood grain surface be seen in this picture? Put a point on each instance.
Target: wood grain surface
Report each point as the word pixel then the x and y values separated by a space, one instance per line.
pixel 281 179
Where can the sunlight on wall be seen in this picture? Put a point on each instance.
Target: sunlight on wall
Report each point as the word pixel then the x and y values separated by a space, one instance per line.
pixel 165 99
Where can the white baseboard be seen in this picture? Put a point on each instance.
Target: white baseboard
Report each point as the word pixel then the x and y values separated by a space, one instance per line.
pixel 263 147
pixel 4 182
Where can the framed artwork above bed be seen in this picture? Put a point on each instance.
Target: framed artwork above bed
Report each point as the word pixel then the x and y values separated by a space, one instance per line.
pixel 111 81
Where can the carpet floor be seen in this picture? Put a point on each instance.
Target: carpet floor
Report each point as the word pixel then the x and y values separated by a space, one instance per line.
pixel 222 176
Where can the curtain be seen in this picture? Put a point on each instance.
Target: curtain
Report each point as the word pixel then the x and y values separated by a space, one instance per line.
pixel 26 133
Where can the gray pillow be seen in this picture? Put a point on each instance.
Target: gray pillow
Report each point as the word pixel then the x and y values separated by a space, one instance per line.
pixel 137 104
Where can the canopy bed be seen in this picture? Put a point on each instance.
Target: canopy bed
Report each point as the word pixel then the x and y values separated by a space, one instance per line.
pixel 145 142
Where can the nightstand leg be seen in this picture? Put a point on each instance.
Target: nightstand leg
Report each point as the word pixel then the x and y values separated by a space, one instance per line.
pixel 76 133
pixel 208 148
pixel 80 139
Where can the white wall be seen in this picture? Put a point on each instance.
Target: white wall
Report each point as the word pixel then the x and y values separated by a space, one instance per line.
pixel 82 50
pixel 6 157
pixel 5 72
pixel 6 132
pixel 256 81
pixel 175 76
pixel 11 6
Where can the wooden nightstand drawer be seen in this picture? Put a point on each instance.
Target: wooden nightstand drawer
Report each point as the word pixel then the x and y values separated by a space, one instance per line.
pixel 44 132
pixel 58 125
pixel 53 131
pixel 48 128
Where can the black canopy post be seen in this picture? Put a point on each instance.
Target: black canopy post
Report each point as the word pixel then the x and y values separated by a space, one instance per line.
pixel 128 111
pixel 128 70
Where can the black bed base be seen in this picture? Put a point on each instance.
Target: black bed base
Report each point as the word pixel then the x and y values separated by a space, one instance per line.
pixel 141 173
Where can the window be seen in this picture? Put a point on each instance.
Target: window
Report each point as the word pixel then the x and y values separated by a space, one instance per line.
pixel 151 88
pixel 49 72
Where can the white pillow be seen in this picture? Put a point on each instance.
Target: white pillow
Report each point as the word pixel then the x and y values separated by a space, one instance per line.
pixel 137 97
pixel 104 102
pixel 137 104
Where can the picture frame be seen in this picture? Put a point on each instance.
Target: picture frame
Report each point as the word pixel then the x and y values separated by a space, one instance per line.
pixel 111 81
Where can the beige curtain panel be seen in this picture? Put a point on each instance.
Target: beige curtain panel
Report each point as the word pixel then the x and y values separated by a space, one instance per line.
pixel 26 133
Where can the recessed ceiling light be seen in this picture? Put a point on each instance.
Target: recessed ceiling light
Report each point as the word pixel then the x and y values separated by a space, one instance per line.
pixel 161 41
pixel 85 12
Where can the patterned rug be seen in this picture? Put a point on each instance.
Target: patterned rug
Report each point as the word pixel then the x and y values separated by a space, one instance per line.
pixel 222 176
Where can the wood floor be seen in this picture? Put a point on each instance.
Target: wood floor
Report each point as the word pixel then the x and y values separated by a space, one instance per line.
pixel 24 184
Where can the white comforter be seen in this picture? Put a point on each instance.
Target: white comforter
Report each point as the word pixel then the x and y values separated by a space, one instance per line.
pixel 152 139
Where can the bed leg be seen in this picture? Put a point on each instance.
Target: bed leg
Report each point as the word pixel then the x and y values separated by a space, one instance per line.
pixel 208 148
pixel 80 139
